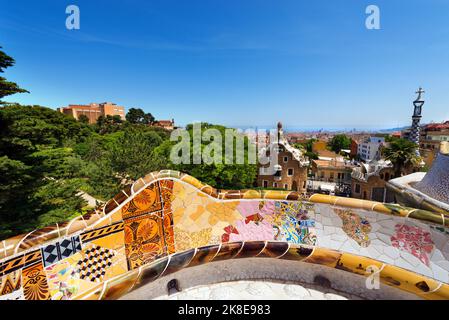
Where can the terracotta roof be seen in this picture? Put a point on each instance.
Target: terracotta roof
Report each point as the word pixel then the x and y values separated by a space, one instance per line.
pixel 332 164
pixel 327 154
pixel 437 126
pixel 164 122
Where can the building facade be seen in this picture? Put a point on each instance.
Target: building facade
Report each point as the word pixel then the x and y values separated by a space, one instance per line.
pixel 368 181
pixel 335 170
pixel 166 124
pixel 430 138
pixel 93 110
pixel 370 149
pixel 290 172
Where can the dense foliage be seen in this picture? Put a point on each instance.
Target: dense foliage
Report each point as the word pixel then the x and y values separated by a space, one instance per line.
pixel 7 87
pixel 339 142
pixel 401 152
pixel 221 175
pixel 138 116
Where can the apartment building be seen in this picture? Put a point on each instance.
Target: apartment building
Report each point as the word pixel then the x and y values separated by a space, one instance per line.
pixel 93 110
pixel 369 149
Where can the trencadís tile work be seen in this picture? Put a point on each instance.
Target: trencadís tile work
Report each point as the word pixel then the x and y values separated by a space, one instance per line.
pixel 167 221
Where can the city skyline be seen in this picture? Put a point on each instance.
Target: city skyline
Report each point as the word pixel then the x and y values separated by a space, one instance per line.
pixel 250 64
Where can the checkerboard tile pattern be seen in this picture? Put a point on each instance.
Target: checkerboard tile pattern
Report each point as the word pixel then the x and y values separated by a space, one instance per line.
pixel 95 263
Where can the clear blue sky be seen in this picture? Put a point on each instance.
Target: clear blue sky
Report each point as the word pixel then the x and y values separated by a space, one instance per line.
pixel 236 62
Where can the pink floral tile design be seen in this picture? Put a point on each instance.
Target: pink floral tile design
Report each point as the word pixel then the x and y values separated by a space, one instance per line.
pixel 413 240
pixel 250 208
pixel 252 231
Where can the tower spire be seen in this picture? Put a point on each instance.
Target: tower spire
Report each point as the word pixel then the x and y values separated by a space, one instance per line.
pixel 416 119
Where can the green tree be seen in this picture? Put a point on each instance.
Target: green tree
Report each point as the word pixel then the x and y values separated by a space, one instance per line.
pixel 339 142
pixel 108 124
pixel 138 116
pixel 132 157
pixel 221 175
pixel 39 172
pixel 116 159
pixel 6 87
pixel 308 145
pixel 83 119
pixel 401 152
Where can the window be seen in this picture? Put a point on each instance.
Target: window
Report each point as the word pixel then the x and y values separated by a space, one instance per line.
pixel 357 188
pixel 378 194
pixel 290 172
pixel 285 159
pixel 285 186
pixel 265 184
pixel 275 184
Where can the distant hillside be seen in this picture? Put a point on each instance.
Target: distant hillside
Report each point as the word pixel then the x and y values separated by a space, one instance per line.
pixel 394 129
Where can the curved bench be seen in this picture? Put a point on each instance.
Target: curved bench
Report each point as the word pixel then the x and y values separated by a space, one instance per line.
pixel 167 221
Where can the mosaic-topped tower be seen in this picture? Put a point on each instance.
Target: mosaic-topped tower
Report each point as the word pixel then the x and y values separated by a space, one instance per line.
pixel 416 119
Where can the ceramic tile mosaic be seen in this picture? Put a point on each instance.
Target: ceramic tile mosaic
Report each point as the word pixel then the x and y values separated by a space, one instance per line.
pixel 143 239
pixel 413 240
pixel 108 252
pixel 64 279
pixel 10 283
pixel 148 200
pixel 355 227
pixel 436 182
pixel 35 286
pixel 60 250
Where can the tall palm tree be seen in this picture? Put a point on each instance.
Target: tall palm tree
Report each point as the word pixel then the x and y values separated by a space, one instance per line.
pixel 401 152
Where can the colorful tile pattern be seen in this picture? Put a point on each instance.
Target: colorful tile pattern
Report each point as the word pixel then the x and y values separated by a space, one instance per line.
pixel 95 263
pixel 413 240
pixel 168 213
pixel 10 283
pixel 35 286
pixel 60 250
pixel 143 240
pixel 146 201
pixel 355 227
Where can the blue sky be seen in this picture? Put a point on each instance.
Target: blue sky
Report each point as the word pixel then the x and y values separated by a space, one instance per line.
pixel 309 64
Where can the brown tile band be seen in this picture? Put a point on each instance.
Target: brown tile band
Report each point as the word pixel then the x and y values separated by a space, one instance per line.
pixel 399 278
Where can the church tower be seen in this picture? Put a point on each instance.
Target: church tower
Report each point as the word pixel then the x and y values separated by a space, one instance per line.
pixel 416 119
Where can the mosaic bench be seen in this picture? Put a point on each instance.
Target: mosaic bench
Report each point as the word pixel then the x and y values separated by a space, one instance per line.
pixel 167 221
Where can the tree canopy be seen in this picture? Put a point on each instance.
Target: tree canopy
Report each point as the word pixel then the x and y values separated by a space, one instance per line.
pixel 221 175
pixel 138 116
pixel 339 142
pixel 7 87
pixel 401 152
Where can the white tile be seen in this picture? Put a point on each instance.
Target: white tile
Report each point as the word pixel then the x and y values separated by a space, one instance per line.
pixel 392 252
pixel 440 274
pixel 414 261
